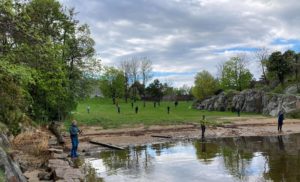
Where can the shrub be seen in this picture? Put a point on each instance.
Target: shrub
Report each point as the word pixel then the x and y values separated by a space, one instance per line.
pixel 294 114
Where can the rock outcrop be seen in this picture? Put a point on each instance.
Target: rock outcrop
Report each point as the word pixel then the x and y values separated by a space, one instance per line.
pixel 252 101
pixel 11 169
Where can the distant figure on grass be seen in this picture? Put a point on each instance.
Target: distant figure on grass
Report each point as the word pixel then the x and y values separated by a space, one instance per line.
pixel 238 111
pixel 88 108
pixel 136 109
pixel 132 105
pixel 168 109
pixel 74 131
pixel 154 104
pixel 176 103
pixel 203 127
pixel 280 120
pixel 119 109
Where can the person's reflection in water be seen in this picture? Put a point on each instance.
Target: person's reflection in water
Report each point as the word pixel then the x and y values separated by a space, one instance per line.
pixel 203 145
pixel 280 142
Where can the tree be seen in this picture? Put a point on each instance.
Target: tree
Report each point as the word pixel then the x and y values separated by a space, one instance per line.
pixel 155 90
pixel 205 85
pixel 262 55
pixel 146 70
pixel 280 64
pixel 235 75
pixel 146 74
pixel 125 66
pixel 112 83
pixel 41 36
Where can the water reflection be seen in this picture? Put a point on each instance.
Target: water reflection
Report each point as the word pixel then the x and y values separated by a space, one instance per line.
pixel 274 158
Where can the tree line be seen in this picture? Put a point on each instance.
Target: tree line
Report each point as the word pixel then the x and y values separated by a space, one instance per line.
pixel 279 70
pixel 45 55
pixel 130 81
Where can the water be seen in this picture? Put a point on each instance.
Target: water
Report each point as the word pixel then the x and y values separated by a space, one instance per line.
pixel 274 158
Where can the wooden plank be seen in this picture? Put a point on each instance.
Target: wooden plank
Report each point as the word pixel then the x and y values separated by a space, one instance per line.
pixel 107 145
pixel 161 136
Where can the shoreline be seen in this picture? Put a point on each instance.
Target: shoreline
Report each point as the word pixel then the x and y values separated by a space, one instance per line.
pixel 139 136
pixel 239 127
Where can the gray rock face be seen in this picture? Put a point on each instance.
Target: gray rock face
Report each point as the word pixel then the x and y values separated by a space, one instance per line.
pixel 11 169
pixel 291 90
pixel 252 101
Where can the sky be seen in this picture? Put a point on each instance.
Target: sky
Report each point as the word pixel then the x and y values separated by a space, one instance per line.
pixel 183 37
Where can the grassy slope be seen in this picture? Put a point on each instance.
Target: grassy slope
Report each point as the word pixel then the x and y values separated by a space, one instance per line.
pixel 104 113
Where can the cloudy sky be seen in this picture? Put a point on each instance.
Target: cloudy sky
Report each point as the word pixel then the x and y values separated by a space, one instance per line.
pixel 183 37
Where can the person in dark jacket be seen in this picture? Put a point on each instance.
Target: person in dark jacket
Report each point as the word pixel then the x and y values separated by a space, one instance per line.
pixel 280 120
pixel 74 131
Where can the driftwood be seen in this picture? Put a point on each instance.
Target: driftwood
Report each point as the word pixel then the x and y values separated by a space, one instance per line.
pixel 54 128
pixel 161 136
pixel 107 145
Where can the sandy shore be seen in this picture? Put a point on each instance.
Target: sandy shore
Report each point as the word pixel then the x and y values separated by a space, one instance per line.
pixel 239 126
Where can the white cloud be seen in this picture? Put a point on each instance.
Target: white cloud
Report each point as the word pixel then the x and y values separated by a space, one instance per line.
pixel 187 35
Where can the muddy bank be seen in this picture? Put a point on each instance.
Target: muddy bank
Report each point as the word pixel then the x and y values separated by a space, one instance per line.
pixel 238 126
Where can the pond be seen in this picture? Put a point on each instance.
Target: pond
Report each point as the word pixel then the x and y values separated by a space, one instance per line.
pixel 275 158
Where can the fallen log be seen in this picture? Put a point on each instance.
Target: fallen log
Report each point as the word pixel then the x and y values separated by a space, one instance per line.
pixel 161 136
pixel 107 145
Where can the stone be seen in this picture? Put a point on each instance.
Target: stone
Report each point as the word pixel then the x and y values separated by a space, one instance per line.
pixel 59 151
pixel 4 142
pixel 68 174
pixel 32 175
pixel 58 163
pixel 59 156
pixel 44 176
pixel 291 90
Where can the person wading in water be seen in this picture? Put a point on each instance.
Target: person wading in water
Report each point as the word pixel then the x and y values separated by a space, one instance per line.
pixel 74 131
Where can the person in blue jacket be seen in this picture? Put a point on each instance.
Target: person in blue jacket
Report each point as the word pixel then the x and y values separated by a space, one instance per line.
pixel 280 120
pixel 74 131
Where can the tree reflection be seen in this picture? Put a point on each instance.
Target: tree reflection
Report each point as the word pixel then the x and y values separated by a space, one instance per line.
pixel 206 151
pixel 134 159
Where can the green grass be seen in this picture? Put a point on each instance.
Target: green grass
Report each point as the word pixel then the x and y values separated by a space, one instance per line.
pixel 104 113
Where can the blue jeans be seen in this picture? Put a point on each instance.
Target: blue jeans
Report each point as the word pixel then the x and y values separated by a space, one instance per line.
pixel 74 146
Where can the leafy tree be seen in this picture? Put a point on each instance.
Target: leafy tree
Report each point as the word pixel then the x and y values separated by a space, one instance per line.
pixel 235 75
pixel 112 83
pixel 280 64
pixel 40 39
pixel 205 85
pixel 155 90
pixel 137 89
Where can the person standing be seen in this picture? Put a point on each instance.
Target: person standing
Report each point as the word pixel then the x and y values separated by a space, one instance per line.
pixel 88 108
pixel 203 127
pixel 74 131
pixel 280 120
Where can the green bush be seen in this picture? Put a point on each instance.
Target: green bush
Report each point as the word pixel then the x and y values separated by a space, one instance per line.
pixel 279 89
pixel 295 114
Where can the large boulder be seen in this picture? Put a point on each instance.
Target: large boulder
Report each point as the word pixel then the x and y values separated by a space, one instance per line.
pixel 248 101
